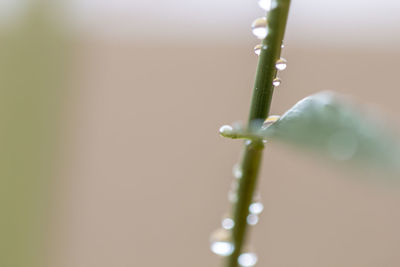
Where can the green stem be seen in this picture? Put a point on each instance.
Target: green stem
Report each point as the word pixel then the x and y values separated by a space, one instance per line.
pixel 260 106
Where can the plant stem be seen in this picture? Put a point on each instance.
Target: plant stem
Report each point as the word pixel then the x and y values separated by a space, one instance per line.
pixel 259 110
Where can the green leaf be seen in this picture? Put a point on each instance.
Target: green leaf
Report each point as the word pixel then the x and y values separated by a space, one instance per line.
pixel 331 125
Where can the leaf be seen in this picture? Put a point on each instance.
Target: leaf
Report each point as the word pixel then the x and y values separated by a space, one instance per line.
pixel 331 125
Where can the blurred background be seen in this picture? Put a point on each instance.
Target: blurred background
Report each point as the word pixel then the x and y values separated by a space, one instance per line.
pixel 109 117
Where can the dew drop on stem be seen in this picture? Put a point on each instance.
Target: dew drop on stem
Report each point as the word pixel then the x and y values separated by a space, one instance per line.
pixel 252 219
pixel 226 129
pixel 221 242
pixel 257 49
pixel 256 208
pixel 265 4
pixel 259 27
pixel 227 223
pixel 237 171
pixel 276 82
pixel 232 197
pixel 281 64
pixel 247 259
pixel 270 120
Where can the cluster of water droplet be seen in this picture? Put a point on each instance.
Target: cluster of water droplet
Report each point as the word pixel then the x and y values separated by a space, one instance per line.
pixel 221 239
pixel 259 28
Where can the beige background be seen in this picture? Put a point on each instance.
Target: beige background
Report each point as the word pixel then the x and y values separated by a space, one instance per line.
pixel 145 175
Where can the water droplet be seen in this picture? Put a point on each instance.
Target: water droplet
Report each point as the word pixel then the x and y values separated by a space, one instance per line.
pixel 259 27
pixel 281 64
pixel 257 49
pixel 256 208
pixel 227 223
pixel 274 4
pixel 222 248
pixel 232 196
pixel 270 120
pixel 226 129
pixel 221 243
pixel 237 171
pixel 282 45
pixel 276 82
pixel 265 4
pixel 252 219
pixel 247 259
